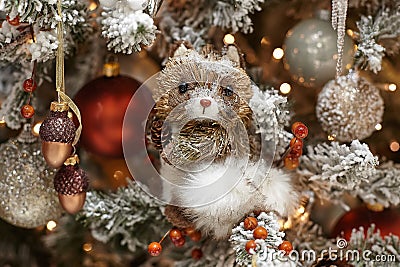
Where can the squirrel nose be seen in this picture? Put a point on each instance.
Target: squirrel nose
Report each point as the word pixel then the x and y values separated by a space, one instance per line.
pixel 205 103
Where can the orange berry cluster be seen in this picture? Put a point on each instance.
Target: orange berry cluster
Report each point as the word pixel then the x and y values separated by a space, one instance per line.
pixel 259 232
pixel 177 237
pixel 29 85
pixel 300 132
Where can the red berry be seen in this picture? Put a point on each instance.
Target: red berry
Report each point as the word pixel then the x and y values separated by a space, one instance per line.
pixel 294 153
pixel 251 244
pixel 179 242
pixel 260 233
pixel 291 163
pixel 14 21
pixel 154 249
pixel 299 130
pixel 195 236
pixel 250 223
pixel 29 85
pixel 175 234
pixel 286 246
pixel 197 254
pixel 296 143
pixel 189 231
pixel 27 111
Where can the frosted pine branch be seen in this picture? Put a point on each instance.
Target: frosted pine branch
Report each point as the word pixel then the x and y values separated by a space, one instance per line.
pixel 17 45
pixel 272 111
pixel 128 215
pixel 10 110
pixel 383 186
pixel 45 46
pixel 331 169
pixel 372 6
pixel 234 15
pixel 194 20
pixel 173 32
pixel 372 241
pixel 126 29
pixel 372 32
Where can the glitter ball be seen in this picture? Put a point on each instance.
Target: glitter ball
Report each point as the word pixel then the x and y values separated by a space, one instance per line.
pixel 27 195
pixel 349 108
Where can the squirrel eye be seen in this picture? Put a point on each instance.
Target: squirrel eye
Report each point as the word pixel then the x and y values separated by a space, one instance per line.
pixel 228 91
pixel 183 87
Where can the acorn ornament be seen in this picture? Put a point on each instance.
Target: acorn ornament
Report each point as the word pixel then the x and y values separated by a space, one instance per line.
pixel 57 133
pixel 71 183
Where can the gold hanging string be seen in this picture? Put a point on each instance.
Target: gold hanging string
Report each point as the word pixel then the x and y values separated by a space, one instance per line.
pixel 60 53
pixel 60 85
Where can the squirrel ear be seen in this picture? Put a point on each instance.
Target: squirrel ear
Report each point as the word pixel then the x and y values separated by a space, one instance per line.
pixel 233 53
pixel 180 48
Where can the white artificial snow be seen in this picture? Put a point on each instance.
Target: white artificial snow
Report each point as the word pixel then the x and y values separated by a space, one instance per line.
pixel 126 29
pixel 332 169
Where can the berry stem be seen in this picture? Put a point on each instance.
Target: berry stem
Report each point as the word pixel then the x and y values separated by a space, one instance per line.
pixel 34 70
pixel 287 152
pixel 32 32
pixel 29 99
pixel 166 234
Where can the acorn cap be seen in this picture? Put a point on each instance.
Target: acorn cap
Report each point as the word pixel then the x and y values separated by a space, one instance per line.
pixel 59 106
pixel 58 127
pixel 71 180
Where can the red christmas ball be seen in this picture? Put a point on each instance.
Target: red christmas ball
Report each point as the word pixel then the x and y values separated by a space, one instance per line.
pixel 386 221
pixel 103 103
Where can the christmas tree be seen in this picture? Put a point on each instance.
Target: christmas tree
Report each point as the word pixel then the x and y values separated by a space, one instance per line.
pixel 199 133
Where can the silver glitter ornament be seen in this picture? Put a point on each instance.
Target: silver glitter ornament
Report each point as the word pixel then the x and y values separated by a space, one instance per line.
pixel 27 195
pixel 349 107
pixel 311 52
